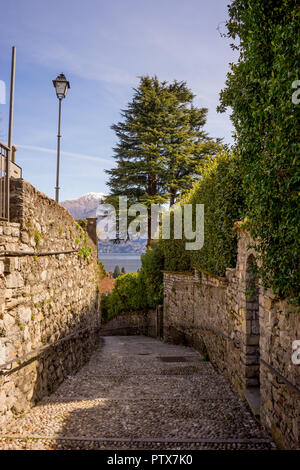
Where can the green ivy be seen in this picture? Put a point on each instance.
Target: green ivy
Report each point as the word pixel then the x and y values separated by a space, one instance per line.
pixel 84 252
pixel 220 190
pixel 259 92
pixel 81 223
pixel 151 275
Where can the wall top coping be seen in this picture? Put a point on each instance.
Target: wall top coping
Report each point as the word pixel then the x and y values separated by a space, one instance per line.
pixel 5 223
pixel 133 313
pixel 196 276
pixel 27 188
pixel 211 275
pixel 181 273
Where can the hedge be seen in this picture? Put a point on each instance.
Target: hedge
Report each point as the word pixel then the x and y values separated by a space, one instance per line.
pixel 259 90
pixel 220 190
pixel 137 291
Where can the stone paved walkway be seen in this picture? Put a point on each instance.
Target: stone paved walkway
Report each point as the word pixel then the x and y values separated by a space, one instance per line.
pixel 137 392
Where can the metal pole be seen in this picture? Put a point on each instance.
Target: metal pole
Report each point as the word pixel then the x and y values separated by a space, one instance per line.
pixel 12 95
pixel 10 125
pixel 58 152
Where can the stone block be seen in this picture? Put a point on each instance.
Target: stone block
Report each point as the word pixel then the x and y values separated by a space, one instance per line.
pixel 24 237
pixel 14 281
pixel 7 230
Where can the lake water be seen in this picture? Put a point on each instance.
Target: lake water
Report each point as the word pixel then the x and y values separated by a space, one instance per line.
pixel 131 263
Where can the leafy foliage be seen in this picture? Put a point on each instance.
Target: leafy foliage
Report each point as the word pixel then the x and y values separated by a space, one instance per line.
pixel 259 91
pixel 127 296
pixel 151 274
pixel 101 269
pixel 137 291
pixel 161 144
pixel 84 252
pixel 81 223
pixel 220 190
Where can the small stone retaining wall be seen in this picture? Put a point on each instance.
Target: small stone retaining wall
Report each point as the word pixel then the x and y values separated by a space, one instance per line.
pixel 248 335
pixel 132 323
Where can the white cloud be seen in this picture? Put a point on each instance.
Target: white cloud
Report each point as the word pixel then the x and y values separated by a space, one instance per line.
pixel 83 63
pixel 80 156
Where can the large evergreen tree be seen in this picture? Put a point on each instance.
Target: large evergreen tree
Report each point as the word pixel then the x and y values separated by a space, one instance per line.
pixel 161 144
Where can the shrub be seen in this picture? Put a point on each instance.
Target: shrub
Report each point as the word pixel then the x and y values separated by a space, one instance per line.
pixel 259 92
pixel 137 291
pixel 84 252
pixel 37 238
pixel 220 190
pixel 81 223
pixel 128 295
pixel 151 275
pixel 101 269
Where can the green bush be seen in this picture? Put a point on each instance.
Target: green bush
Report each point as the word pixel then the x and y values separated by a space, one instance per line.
pixel 81 223
pixel 101 269
pixel 127 296
pixel 151 275
pixel 220 190
pixel 259 90
pixel 137 291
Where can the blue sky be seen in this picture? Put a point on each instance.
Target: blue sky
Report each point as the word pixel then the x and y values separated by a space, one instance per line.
pixel 102 47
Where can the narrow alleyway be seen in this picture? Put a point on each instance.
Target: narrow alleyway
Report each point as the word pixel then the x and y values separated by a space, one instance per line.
pixel 139 393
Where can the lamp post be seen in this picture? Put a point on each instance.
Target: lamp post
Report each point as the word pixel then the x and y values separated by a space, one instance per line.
pixel 61 85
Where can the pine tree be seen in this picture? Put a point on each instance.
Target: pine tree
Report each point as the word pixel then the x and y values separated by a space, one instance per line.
pixel 161 144
pixel 123 271
pixel 116 272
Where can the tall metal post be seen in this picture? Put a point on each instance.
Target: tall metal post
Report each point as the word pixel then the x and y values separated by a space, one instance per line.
pixel 58 152
pixel 10 124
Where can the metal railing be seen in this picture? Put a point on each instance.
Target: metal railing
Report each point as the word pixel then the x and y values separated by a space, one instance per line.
pixel 4 181
pixel 8 169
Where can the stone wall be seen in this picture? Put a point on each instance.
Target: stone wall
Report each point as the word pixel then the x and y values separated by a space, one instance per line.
pixel 49 296
pixel 132 323
pixel 248 335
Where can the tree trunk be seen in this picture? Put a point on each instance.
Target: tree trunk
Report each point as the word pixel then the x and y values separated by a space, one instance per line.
pixel 152 191
pixel 172 197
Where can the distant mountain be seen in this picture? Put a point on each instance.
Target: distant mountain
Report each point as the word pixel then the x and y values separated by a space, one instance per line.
pixel 130 247
pixel 84 206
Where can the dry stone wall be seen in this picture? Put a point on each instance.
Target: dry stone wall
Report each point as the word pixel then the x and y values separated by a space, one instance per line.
pixel 132 323
pixel 49 298
pixel 248 335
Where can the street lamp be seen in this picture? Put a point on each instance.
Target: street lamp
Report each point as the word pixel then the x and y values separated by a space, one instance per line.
pixel 61 85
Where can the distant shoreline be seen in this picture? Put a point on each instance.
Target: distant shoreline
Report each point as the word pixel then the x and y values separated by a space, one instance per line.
pixel 131 263
pixel 116 256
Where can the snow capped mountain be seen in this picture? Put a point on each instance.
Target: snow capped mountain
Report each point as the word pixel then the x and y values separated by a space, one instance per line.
pixel 84 206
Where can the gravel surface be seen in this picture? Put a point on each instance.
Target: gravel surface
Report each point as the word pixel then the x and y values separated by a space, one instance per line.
pixel 129 396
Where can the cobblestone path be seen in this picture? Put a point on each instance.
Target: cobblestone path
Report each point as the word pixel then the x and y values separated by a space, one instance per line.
pixel 139 393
